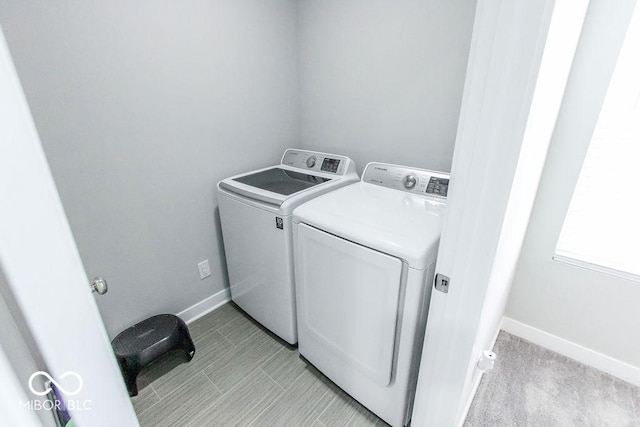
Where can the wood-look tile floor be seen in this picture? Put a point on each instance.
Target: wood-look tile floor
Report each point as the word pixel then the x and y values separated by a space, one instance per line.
pixel 241 375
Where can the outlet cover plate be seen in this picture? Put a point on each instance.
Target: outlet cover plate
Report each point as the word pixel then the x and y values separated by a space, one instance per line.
pixel 203 268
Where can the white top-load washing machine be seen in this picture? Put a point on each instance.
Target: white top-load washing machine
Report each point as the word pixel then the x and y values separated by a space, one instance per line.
pixel 364 268
pixel 255 212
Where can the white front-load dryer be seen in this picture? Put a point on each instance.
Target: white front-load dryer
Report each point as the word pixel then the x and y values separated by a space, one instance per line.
pixel 255 214
pixel 364 265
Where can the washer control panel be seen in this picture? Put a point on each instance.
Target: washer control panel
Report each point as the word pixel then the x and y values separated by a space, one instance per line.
pixel 314 161
pixel 311 161
pixel 411 180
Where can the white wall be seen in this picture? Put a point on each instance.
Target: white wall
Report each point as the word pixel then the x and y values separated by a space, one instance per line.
pixel 141 108
pixel 382 80
pixel 594 310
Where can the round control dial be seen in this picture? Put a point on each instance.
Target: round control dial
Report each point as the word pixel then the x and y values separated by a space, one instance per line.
pixel 311 161
pixel 410 181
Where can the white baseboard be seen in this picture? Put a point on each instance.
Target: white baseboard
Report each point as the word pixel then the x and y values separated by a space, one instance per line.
pixel 615 367
pixel 205 306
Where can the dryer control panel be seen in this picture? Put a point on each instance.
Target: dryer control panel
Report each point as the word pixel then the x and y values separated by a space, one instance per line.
pixel 315 161
pixel 411 180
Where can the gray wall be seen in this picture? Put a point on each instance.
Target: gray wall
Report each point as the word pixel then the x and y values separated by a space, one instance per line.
pixel 382 80
pixel 142 106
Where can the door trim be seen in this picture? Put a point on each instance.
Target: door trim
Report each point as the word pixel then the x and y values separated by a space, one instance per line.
pixel 497 164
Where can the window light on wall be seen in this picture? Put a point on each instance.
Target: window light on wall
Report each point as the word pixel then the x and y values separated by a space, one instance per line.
pixel 602 228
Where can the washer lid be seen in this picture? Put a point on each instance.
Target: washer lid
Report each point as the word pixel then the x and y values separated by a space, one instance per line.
pixel 272 185
pixel 281 181
pixel 402 224
pixel 299 172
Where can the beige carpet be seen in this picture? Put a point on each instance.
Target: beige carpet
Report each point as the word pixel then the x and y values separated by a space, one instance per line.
pixel 532 386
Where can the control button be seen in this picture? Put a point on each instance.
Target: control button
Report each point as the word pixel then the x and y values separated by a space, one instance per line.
pixel 409 181
pixel 311 161
pixel 438 186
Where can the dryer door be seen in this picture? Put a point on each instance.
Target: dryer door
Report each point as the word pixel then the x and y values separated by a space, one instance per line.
pixel 348 304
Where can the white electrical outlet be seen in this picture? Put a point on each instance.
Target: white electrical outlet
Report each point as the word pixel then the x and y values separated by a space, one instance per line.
pixel 203 268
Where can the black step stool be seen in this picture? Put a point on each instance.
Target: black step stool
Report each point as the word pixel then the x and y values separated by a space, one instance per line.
pixel 146 342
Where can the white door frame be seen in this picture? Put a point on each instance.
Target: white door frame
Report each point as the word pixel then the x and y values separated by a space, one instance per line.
pixel 520 59
pixel 42 267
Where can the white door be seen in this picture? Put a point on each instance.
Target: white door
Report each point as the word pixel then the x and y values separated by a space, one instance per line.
pixel 348 298
pixel 41 265
pixel 521 54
